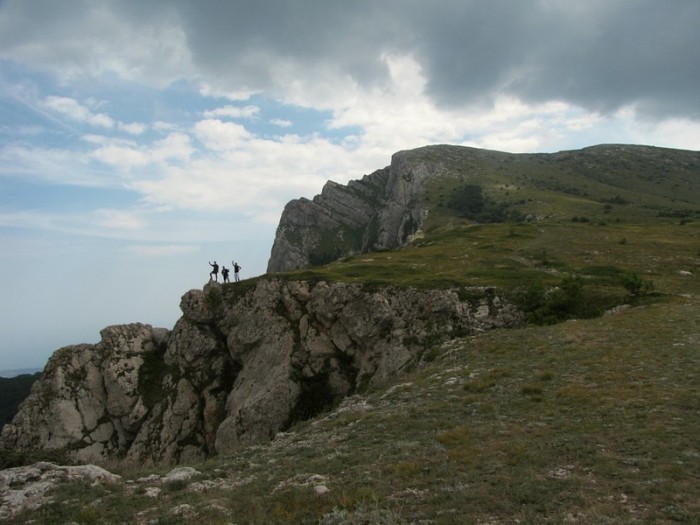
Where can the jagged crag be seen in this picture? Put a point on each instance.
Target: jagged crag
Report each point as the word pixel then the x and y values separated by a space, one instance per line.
pixel 379 212
pixel 247 360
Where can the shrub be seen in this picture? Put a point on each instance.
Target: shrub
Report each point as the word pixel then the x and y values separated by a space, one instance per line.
pixel 635 285
pixel 553 305
pixel 18 458
pixel 469 201
pixel 366 516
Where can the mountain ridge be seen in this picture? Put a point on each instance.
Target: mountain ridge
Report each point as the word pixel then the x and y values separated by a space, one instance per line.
pixel 384 209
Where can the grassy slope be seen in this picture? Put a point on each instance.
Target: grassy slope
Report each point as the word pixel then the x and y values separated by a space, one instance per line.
pixel 587 421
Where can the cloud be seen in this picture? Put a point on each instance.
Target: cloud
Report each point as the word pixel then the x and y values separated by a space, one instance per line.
pixel 247 112
pixel 282 123
pixel 163 127
pixel 128 156
pixel 175 147
pixel 481 74
pixel 215 134
pixel 76 111
pixel 120 156
pixel 78 40
pixel 25 219
pixel 134 128
pixel 101 222
pixel 119 220
pixel 81 113
pixel 598 55
pixel 52 165
pixel 253 175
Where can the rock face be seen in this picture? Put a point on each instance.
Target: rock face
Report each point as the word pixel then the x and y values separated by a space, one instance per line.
pixel 88 396
pixel 243 363
pixel 380 211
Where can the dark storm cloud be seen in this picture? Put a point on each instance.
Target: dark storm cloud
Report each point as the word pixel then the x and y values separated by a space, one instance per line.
pixel 248 41
pixel 600 55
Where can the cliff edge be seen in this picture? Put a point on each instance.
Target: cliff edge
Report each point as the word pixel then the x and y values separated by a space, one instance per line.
pixel 244 362
pixel 378 212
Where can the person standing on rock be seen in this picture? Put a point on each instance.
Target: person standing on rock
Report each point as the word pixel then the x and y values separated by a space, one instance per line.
pixel 214 274
pixel 224 273
pixel 236 269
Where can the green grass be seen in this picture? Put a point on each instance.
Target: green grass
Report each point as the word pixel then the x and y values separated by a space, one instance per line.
pixel 517 257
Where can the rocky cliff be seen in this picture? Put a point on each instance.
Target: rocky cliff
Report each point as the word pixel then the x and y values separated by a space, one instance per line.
pixel 380 211
pixel 244 362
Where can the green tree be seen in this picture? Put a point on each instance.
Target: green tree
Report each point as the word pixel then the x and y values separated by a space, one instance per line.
pixel 468 200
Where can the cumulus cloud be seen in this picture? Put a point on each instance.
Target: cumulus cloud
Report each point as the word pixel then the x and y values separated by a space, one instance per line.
pixel 215 134
pixel 247 173
pixel 121 156
pixel 127 155
pixel 175 147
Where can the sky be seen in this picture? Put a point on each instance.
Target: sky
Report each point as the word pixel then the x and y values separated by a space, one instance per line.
pixel 140 141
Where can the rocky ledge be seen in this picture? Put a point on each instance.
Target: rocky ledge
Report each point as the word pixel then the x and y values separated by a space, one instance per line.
pixel 244 362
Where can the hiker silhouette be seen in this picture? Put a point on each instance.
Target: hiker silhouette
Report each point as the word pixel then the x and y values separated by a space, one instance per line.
pixel 214 274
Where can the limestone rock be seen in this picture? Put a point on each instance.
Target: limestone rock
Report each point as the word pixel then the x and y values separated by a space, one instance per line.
pixel 88 398
pixel 30 487
pixel 180 474
pixel 241 365
pixel 381 211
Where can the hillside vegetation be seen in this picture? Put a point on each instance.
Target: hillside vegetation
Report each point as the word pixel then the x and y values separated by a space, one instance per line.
pixel 13 390
pixel 588 415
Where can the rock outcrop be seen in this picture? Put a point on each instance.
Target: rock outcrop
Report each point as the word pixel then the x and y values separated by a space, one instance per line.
pixel 244 362
pixel 381 211
pixel 88 397
pixel 30 487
